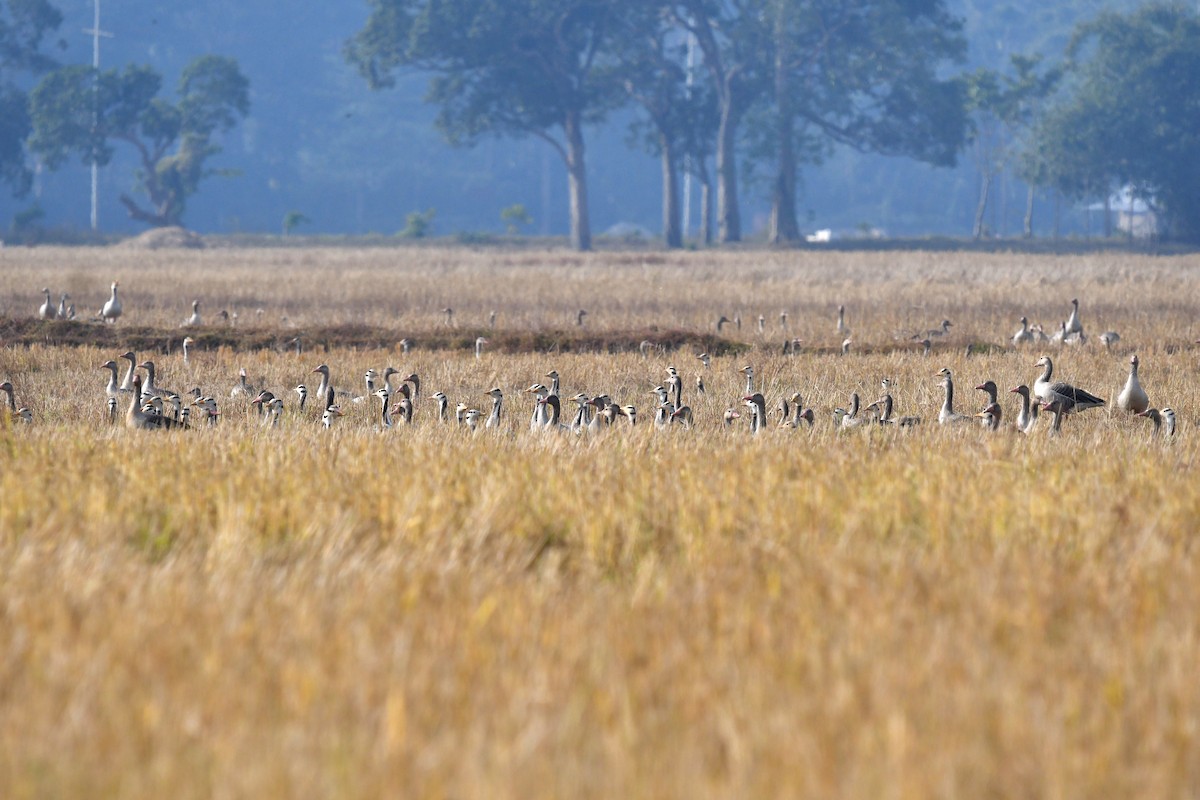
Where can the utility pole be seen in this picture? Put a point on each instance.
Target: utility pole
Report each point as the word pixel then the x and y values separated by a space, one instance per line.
pixel 96 33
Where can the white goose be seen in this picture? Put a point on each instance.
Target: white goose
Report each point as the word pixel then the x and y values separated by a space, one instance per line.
pixel 111 311
pixel 47 310
pixel 1066 397
pixel 1073 325
pixel 1133 397
pixel 1023 336
pixel 194 320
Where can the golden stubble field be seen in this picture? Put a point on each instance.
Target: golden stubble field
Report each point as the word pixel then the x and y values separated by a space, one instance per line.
pixel 246 612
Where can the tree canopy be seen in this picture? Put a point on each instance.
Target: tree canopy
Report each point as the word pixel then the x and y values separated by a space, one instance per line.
pixel 501 67
pixel 1130 115
pixel 24 25
pixel 77 111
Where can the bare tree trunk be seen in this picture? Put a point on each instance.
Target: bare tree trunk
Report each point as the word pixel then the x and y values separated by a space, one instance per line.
pixel 981 209
pixel 672 218
pixel 706 203
pixel 581 231
pixel 784 228
pixel 729 220
pixel 1028 227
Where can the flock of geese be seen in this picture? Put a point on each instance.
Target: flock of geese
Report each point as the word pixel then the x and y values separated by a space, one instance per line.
pixel 151 406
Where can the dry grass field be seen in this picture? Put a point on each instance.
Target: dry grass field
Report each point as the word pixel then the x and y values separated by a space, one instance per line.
pixel 245 612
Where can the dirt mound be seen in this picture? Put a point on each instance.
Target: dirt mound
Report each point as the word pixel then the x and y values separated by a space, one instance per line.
pixel 166 239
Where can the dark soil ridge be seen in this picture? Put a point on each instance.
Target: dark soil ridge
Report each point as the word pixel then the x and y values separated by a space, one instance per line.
pixel 26 332
pixel 29 332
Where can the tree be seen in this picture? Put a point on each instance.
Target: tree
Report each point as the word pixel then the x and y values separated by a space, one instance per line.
pixel 680 118
pixel 23 27
pixel 1129 115
pixel 859 73
pixel 79 111
pixel 501 67
pixel 727 35
pixel 1003 110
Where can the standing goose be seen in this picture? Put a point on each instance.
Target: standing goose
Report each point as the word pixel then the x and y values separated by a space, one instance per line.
pixel 675 386
pixel 851 419
pixel 1064 395
pixel 664 406
pixel 699 384
pixel 385 421
pixel 113 389
pixel 241 388
pixel 194 320
pixel 493 420
pixel 705 359
pixel 1109 338
pixel 991 414
pixel 64 307
pixel 540 412
pixel 479 343
pixel 415 380
pixel 554 405
pixel 471 419
pixel 553 376
pixel 1073 325
pixel 1023 336
pixel 1028 414
pixel 112 411
pixel 582 414
pixel 302 391
pixel 150 387
pixel 111 311
pixel 275 410
pixel 842 330
pixel 730 415
pixel 127 381
pixel 47 309
pixel 948 416
pixel 758 411
pixel 324 388
pixel 138 419
pixel 1133 397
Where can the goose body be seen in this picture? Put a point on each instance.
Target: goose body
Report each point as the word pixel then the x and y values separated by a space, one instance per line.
pixel 151 387
pixel 947 415
pixel 194 321
pixel 47 309
pixel 1023 336
pixel 990 416
pixel 1064 396
pixel 113 389
pixel 138 418
pixel 1073 325
pixel 758 411
pixel 111 311
pixel 127 381
pixel 1027 416
pixel 1133 397
pixel 493 420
